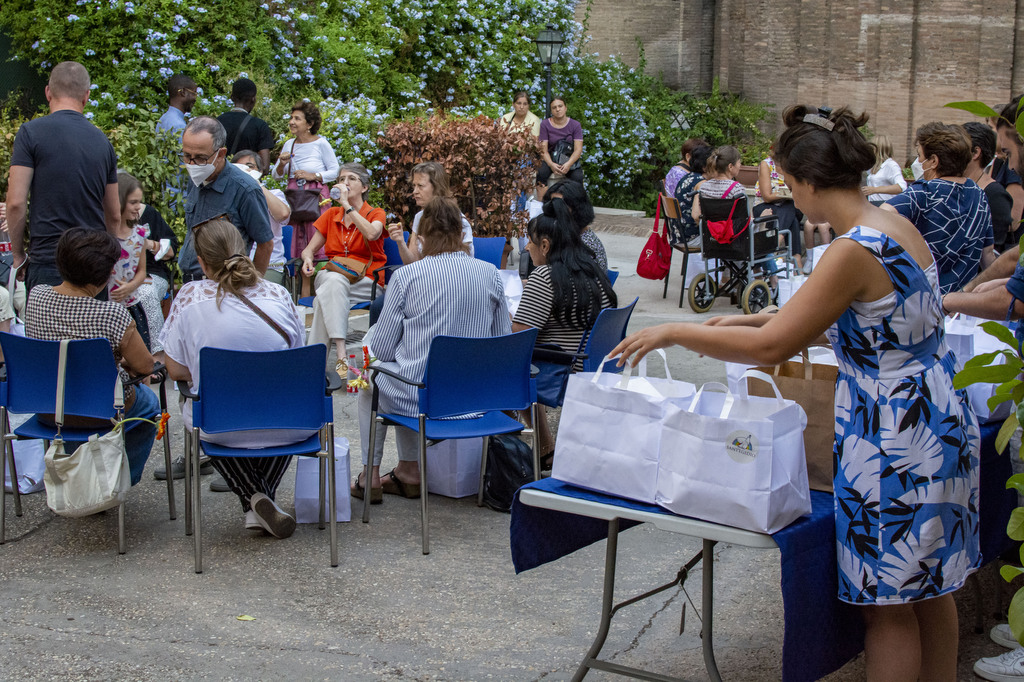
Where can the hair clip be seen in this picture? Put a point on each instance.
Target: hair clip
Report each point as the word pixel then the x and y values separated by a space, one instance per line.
pixel 819 120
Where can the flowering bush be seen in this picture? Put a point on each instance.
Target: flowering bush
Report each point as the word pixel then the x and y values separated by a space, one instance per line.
pixel 366 62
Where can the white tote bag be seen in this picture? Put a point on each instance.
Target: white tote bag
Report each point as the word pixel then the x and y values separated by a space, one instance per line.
pixel 28 460
pixel 960 336
pixel 307 486
pixel 735 460
pixel 609 435
pixel 96 475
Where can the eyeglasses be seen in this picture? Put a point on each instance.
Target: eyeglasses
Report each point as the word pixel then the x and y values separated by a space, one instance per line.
pixel 187 91
pixel 200 160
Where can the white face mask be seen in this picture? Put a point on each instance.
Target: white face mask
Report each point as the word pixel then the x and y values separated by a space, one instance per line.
pixel 918 169
pixel 251 172
pixel 199 174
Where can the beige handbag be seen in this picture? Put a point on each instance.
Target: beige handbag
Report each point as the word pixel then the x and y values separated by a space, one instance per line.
pixel 93 477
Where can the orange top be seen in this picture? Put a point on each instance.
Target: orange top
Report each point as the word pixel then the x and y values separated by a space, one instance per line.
pixel 345 240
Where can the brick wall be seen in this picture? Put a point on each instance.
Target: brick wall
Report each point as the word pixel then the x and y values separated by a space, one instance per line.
pixel 899 61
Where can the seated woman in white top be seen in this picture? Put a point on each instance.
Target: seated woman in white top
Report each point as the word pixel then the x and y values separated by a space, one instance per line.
pixel 429 180
pixel 211 313
pixel 885 178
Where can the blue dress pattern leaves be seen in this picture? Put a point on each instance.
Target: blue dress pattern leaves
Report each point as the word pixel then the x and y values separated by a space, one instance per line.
pixel 907 443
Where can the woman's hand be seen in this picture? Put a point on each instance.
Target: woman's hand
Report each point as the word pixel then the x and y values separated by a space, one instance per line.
pixel 307 265
pixel 121 291
pixel 396 232
pixel 868 191
pixel 304 175
pixel 643 342
pixel 343 190
pixel 284 157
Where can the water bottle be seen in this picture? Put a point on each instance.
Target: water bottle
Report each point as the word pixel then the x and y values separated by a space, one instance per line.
pixel 335 193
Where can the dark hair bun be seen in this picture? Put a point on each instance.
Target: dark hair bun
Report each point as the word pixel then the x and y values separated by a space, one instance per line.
pixel 812 152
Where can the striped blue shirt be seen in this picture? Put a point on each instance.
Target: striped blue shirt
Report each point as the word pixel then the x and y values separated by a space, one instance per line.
pixel 451 294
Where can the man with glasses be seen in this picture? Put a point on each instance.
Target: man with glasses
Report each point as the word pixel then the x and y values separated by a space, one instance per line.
pixel 218 188
pixel 181 96
pixel 68 168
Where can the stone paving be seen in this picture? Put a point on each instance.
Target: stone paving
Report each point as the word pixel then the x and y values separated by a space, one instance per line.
pixel 71 608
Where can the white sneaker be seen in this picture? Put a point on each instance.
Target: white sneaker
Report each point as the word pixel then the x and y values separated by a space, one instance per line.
pixel 271 517
pixel 1003 636
pixel 1008 667
pixel 251 522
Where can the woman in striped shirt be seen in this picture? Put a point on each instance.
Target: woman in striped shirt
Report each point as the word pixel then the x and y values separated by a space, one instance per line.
pixel 445 292
pixel 563 296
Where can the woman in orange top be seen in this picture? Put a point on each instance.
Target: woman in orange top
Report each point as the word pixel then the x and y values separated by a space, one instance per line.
pixel 355 230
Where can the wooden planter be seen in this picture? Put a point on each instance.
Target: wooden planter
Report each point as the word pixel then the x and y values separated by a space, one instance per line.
pixel 747 176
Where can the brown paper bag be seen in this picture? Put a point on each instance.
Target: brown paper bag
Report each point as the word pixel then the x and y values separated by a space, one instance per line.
pixel 813 387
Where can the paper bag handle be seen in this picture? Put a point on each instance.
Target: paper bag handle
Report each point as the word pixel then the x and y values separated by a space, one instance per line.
pixel 763 376
pixel 718 388
pixel 627 369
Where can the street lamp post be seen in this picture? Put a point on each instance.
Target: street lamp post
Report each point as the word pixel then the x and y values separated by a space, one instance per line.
pixel 549 49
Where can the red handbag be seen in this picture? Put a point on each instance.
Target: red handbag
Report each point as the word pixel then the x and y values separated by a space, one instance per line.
pixel 656 256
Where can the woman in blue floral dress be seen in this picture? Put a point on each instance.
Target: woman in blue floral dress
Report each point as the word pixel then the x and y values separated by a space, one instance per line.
pixel 906 446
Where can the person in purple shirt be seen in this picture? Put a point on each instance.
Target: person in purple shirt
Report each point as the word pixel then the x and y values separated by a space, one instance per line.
pixel 561 145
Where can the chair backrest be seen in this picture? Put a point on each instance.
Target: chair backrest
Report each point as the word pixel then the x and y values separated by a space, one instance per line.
pixel 670 207
pixel 394 257
pixel 608 330
pixel 720 209
pixel 476 375
pixel 489 249
pixel 32 376
pixel 612 276
pixel 286 240
pixel 242 390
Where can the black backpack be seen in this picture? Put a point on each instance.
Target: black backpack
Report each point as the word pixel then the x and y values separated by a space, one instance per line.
pixel 509 467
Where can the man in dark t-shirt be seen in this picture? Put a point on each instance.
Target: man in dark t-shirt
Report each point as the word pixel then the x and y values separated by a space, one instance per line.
pixel 244 130
pixel 64 169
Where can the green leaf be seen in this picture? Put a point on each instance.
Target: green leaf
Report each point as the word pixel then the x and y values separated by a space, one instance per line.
pixel 999 331
pixel 1015 526
pixel 1005 431
pixel 1010 572
pixel 1016 482
pixel 983 360
pixel 994 374
pixel 975 107
pixel 1017 614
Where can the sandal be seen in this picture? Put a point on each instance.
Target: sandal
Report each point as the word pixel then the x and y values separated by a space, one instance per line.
pixel 547 461
pixel 392 485
pixel 376 494
pixel 342 369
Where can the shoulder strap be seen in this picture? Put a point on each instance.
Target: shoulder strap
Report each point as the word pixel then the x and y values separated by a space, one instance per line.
pixel 238 135
pixel 266 318
pixel 729 189
pixel 62 366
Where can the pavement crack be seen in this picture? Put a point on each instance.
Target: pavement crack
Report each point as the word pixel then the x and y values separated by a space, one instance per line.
pixel 32 531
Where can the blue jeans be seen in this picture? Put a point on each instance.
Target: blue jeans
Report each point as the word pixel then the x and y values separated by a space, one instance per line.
pixel 138 440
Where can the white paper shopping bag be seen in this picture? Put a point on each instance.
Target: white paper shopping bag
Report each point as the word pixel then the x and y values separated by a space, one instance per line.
pixel 307 486
pixel 609 435
pixel 453 467
pixel 735 460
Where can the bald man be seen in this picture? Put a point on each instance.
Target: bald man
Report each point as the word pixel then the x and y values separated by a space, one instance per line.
pixel 67 169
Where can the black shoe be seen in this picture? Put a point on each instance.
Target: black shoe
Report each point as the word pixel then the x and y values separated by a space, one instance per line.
pixel 178 469
pixel 219 485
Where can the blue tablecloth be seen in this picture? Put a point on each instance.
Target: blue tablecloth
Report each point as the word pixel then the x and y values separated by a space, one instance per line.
pixel 821 633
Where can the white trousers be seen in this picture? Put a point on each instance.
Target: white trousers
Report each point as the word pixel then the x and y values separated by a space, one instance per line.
pixel 407 440
pixel 334 296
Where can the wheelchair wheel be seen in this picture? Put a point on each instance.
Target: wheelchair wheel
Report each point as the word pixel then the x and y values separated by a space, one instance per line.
pixel 702 293
pixel 756 296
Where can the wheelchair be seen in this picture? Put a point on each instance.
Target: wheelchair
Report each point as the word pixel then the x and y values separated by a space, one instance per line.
pixel 755 244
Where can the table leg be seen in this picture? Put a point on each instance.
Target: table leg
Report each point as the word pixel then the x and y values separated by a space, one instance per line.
pixel 708 609
pixel 606 600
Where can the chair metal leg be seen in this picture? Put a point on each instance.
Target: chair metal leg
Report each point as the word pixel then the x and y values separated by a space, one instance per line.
pixel 536 441
pixel 682 285
pixel 122 543
pixel 366 467
pixel 197 511
pixel 423 484
pixel 483 472
pixel 12 466
pixel 321 476
pixel 189 526
pixel 167 454
pixel 3 474
pixel 332 485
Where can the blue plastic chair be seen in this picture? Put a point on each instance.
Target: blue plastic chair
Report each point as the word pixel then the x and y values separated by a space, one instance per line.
pixel 30 387
pixel 394 261
pixel 489 249
pixel 236 394
pixel 608 330
pixel 482 377
pixel 612 276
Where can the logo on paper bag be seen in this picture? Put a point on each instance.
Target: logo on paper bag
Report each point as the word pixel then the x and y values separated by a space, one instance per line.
pixel 741 446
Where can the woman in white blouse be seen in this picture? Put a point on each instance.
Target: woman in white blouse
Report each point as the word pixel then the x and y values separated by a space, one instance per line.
pixel 213 312
pixel 307 160
pixel 886 177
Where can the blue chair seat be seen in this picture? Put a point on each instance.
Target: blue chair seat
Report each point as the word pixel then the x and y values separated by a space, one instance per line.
pixel 310 445
pixel 491 423
pixel 34 428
